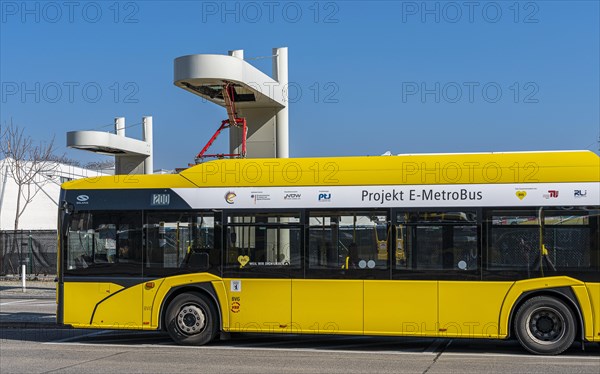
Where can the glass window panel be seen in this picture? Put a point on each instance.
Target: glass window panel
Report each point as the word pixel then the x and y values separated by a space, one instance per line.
pixel 348 240
pixel 428 244
pixel 264 241
pixel 569 241
pixel 436 241
pixel 180 242
pixel 513 248
pixel 568 247
pixel 100 243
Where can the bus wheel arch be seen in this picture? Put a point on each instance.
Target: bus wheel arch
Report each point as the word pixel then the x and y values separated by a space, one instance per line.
pixel 546 322
pixel 190 316
pixel 204 289
pixel 565 294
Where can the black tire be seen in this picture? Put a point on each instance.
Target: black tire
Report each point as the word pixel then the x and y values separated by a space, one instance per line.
pixel 545 325
pixel 191 319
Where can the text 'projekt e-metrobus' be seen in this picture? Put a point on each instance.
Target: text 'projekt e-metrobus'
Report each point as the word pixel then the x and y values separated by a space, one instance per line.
pixel 490 245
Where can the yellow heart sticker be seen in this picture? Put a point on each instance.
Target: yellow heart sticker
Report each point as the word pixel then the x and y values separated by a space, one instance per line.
pixel 243 260
pixel 521 194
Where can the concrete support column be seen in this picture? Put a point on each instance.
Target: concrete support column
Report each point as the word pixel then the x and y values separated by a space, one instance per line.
pixel 120 126
pixel 239 53
pixel 282 148
pixel 280 74
pixel 147 137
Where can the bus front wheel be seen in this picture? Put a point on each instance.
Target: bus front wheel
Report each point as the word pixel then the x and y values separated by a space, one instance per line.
pixel 545 325
pixel 191 319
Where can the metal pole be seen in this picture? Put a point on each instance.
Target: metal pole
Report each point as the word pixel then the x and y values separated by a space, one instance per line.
pixel 30 250
pixel 23 276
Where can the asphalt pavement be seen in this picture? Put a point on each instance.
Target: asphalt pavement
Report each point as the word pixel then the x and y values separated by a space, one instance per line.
pixel 34 306
pixel 31 341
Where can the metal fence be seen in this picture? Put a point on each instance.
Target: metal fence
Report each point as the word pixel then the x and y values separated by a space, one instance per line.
pixel 36 249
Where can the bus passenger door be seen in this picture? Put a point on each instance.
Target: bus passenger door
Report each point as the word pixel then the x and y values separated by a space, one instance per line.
pixel 263 253
pixel 340 254
pixel 469 307
pixel 407 304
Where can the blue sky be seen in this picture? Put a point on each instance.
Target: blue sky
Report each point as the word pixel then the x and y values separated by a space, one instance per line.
pixel 403 76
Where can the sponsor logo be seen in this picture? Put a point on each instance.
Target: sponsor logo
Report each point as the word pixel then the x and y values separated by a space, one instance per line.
pixel 229 197
pixel 324 197
pixel 160 199
pixel 292 195
pixel 552 194
pixel 260 196
pixel 521 194
pixel 579 193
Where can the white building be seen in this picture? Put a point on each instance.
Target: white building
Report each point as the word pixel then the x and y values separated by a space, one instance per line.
pixel 41 213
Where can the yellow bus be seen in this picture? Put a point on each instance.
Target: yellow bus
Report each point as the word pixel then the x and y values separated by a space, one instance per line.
pixel 487 245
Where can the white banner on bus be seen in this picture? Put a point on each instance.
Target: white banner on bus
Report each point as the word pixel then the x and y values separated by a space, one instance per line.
pixel 527 194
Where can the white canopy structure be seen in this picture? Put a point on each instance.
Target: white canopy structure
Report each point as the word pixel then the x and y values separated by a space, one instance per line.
pixel 260 99
pixel 132 156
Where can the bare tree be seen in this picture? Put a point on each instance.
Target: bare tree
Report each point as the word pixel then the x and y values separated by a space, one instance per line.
pixel 63 159
pixel 100 165
pixel 27 163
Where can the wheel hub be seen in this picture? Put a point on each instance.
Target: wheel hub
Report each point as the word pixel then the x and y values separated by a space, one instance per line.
pixel 191 319
pixel 546 325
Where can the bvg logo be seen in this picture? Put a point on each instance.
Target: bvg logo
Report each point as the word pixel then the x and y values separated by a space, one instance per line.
pixel 324 197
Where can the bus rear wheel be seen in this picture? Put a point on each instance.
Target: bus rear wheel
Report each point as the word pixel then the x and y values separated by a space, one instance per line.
pixel 545 325
pixel 191 319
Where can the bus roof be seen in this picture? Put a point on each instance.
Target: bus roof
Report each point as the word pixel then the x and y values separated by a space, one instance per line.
pixel 409 169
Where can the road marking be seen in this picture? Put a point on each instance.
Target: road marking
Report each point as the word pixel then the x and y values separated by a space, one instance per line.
pixel 33 302
pixel 334 341
pixel 233 348
pixel 314 350
pixel 17 302
pixel 562 357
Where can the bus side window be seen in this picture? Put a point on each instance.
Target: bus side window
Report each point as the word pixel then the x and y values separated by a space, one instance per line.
pixel 436 241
